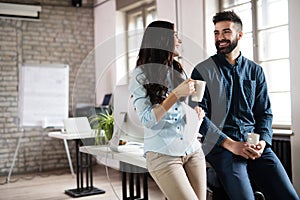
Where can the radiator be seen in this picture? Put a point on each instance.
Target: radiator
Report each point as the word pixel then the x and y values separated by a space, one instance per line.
pixel 281 145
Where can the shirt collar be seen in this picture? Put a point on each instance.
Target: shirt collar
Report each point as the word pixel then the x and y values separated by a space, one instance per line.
pixel 224 62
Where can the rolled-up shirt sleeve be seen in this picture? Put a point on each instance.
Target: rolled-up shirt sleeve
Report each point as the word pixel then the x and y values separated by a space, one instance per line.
pixel 142 103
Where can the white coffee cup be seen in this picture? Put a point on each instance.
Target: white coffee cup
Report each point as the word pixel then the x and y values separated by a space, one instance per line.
pixel 253 138
pixel 200 88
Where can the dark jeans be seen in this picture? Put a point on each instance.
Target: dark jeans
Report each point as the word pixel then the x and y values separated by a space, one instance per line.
pixel 267 173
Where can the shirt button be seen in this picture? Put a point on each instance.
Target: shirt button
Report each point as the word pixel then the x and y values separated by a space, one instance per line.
pixel 176 108
pixel 181 138
pixel 175 119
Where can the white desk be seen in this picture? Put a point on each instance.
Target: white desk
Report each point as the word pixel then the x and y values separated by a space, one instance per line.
pixel 132 163
pixel 79 191
pixel 133 155
pixel 70 136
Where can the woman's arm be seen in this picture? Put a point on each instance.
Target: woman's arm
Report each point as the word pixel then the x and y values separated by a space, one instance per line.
pixel 186 88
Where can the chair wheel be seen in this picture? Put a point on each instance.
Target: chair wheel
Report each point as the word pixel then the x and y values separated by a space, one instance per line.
pixel 259 196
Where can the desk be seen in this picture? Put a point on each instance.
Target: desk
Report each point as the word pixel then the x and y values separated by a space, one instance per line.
pixel 80 190
pixel 132 163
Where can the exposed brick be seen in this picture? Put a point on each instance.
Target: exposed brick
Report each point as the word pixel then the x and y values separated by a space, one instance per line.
pixel 56 38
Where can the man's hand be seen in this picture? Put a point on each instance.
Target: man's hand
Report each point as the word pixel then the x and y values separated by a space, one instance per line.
pixel 243 149
pixel 255 151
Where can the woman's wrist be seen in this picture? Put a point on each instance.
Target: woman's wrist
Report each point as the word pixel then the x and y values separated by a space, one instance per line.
pixel 175 93
pixel 161 110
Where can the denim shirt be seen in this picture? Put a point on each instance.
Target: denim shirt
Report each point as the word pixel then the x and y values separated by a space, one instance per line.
pixel 165 136
pixel 236 100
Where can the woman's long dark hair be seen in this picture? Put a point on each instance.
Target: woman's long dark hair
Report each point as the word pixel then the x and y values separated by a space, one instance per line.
pixel 155 58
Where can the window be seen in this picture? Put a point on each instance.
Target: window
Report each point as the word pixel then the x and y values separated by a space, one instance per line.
pixel 137 20
pixel 132 26
pixel 266 41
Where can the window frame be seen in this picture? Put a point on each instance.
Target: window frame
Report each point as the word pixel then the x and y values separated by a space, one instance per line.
pixel 256 48
pixel 142 10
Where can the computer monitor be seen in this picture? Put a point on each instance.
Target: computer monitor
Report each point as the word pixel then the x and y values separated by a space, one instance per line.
pixel 126 121
pixel 106 100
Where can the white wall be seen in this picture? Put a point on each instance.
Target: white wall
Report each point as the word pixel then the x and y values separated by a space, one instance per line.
pixel 105 45
pixel 211 7
pixel 294 26
pixel 166 10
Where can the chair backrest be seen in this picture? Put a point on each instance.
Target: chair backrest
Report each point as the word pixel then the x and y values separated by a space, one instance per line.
pixel 79 125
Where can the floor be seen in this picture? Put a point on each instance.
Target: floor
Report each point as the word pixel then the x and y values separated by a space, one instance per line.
pixel 52 186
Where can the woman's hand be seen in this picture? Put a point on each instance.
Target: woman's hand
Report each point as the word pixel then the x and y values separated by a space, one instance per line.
pixel 200 112
pixel 186 88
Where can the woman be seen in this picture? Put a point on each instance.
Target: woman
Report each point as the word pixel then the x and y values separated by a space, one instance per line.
pixel 159 88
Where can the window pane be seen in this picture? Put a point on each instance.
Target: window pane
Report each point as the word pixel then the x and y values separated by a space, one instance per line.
pixel 272 48
pixel 244 12
pixel 281 108
pixel 151 16
pixel 272 13
pixel 134 40
pixel 231 3
pixel 273 43
pixel 132 60
pixel 135 33
pixel 277 75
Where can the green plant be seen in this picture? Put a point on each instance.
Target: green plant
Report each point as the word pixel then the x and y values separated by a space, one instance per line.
pixel 102 121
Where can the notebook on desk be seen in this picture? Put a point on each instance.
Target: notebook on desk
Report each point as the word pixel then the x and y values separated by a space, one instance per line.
pixel 77 125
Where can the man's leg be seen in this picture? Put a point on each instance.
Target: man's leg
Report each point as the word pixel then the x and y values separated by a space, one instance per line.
pixel 232 172
pixel 270 177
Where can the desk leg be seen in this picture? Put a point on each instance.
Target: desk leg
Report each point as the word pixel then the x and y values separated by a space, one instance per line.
pixel 91 170
pixel 134 173
pixel 87 169
pixel 124 185
pixel 69 157
pixel 80 190
pixel 134 186
pixel 138 186
pixel 145 184
pixel 81 171
pixel 77 165
pixel 131 186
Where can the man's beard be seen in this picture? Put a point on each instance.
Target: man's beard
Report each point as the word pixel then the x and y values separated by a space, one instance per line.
pixel 229 48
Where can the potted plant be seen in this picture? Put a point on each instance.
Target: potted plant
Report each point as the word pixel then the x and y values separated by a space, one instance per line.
pixel 103 123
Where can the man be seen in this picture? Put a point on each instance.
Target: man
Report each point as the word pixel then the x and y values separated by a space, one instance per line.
pixel 236 103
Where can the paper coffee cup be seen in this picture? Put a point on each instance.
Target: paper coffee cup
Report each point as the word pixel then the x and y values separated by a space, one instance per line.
pixel 253 138
pixel 200 88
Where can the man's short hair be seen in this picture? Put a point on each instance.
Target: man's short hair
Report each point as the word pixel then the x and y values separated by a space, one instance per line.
pixel 228 16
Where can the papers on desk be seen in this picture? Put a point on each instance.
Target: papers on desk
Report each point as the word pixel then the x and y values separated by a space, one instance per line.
pixel 132 147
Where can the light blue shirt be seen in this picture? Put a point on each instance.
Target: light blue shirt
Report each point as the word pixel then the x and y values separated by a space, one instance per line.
pixel 167 135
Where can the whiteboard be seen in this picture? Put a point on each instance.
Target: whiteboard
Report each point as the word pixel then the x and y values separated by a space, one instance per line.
pixel 43 95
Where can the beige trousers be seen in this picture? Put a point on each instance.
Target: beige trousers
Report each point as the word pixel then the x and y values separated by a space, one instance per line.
pixel 179 178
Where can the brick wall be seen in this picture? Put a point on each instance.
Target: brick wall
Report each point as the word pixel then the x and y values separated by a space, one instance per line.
pixel 63 35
